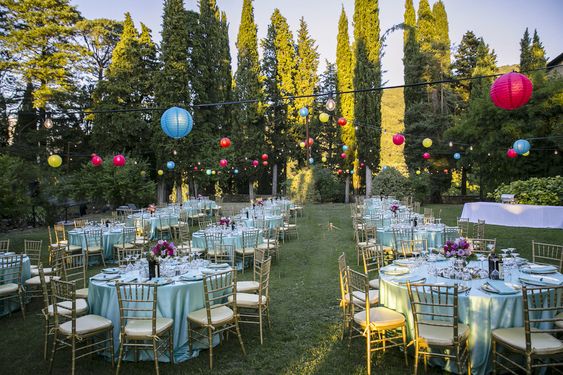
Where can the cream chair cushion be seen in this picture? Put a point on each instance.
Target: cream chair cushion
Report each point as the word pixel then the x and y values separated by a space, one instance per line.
pixel 6 289
pixel 73 248
pixel 143 328
pixel 86 324
pixel 360 297
pixel 265 246
pixel 123 246
pixel 245 251
pixel 65 307
pixel 219 315
pixel 35 271
pixel 94 249
pixel 37 281
pixel 374 283
pixel 82 293
pixel 441 336
pixel 249 300
pixel 542 343
pixel 380 318
pixel 247 286
pixel 559 323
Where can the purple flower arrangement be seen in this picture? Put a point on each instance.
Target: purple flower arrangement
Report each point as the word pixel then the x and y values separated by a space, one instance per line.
pixel 224 221
pixel 394 207
pixel 162 249
pixel 459 248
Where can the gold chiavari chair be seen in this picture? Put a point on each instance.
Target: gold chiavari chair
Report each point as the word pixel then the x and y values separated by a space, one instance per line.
pixel 464 227
pixel 213 240
pixel 253 308
pixel 224 254
pixel 126 256
pixel 414 248
pixel 545 253
pixel 53 245
pixel 436 325
pixel 249 245
pixel 537 341
pixel 483 245
pixel 94 245
pixel 60 237
pixel 163 229
pixel 416 207
pixel 381 327
pixel 428 212
pixel 143 234
pixel 344 294
pixel 128 239
pixel 11 287
pixel 5 245
pixel 271 242
pixel 290 227
pixel 204 222
pixel 79 223
pixel 401 234
pixel 450 234
pixel 366 237
pixel 373 259
pixel 220 313
pixel 84 335
pixel 479 229
pixel 141 329
pixel 253 285
pixel 74 269
pixel 33 251
pixel 182 239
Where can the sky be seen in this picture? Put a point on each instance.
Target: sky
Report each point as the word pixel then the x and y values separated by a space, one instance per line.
pixel 500 22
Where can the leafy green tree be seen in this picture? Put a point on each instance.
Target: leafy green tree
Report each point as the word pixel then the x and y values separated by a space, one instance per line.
pixel 27 133
pixel 306 78
pixel 538 52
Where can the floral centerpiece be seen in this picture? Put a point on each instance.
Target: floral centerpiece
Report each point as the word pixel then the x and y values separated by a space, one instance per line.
pixel 225 221
pixel 260 202
pixel 394 207
pixel 151 208
pixel 458 248
pixel 162 249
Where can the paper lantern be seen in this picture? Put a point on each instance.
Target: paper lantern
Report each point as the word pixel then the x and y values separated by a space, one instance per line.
pixel 213 172
pixel 176 122
pixel 398 139
pixel 265 163
pixel 342 121
pixel 224 142
pixel 195 168
pixel 143 173
pixel 351 171
pixel 426 155
pixel 384 167
pixel 170 165
pixel 255 163
pixel 96 161
pixel 511 90
pixel 119 160
pixel 427 142
pixel 160 172
pixel 311 141
pixel 264 156
pixel 344 148
pixel 324 117
pixel 457 156
pixel 445 171
pixel 511 153
pixel 526 153
pixel 223 163
pixel 362 164
pixel 324 159
pixel 339 171
pixel 304 112
pixel 208 172
pixel 521 146
pixel 302 144
pixel 330 104
pixel 311 160
pixel 235 171
pixel 55 161
pixel 343 155
pixel 417 172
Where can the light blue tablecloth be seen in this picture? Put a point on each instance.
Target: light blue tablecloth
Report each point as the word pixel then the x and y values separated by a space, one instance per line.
pixel 137 221
pixel 109 238
pixel 272 222
pixel 175 301
pixel 433 236
pixel 483 312
pixel 12 305
pixel 234 239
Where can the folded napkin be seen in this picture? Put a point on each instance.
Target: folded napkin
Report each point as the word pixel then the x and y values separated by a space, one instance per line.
pixel 409 278
pixel 105 276
pixel 538 268
pixel 390 269
pixel 500 287
pixel 540 280
pixel 129 279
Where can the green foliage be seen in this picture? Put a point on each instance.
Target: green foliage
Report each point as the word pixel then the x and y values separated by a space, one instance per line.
pixel 107 184
pixel 420 186
pixel 391 182
pixel 546 191
pixel 306 77
pixel 392 113
pixel 302 187
pixel 463 66
pixel 525 51
pixel 329 187
pixel 15 178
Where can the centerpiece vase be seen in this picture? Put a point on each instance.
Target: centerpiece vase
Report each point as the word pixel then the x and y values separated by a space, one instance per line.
pixel 154 269
pixel 460 264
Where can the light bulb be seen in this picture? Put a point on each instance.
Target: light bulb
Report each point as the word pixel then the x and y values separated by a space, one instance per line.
pixel 48 123
pixel 330 104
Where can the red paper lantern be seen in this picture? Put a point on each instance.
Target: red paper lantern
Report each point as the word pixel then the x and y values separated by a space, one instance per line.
pixel 265 163
pixel 342 121
pixel 511 90
pixel 225 142
pixel 195 168
pixel 264 157
pixel 511 153
pixel 339 171
pixel 223 163
pixel 362 164
pixel 398 139
pixel 96 160
pixel 119 160
pixel 426 155
pixel 311 141
pixel 254 163
pixel 343 155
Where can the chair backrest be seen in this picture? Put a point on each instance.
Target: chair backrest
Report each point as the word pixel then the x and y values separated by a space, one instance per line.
pixel 5 244
pixel 359 290
pixel 11 266
pixel 343 276
pixel 479 229
pixel 129 255
pixel 93 238
pixel 64 292
pixel 373 259
pixel 60 232
pixel 428 212
pixel 137 302
pixel 259 258
pixel 545 253
pixel 541 308
pixel 74 269
pixel 401 234
pixel 483 245
pixel 434 305
pixel 32 249
pixel 451 233
pixel 250 238
pixel 223 254
pixel 44 289
pixel 416 207
pixel 79 223
pixel 264 279
pixel 217 288
pixel 204 223
pixel 213 240
pixel 464 225
pixel 183 233
pixel 413 247
pixel 128 235
pixel 163 221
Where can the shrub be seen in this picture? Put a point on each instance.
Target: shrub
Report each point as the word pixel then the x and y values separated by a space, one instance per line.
pixel 15 181
pixel 546 191
pixel 420 186
pixel 329 187
pixel 391 182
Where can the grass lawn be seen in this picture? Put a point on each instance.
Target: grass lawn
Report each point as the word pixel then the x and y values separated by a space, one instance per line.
pixel 305 334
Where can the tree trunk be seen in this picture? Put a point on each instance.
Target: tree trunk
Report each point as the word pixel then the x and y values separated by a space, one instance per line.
pixel 368 182
pixel 195 189
pixel 250 190
pixel 161 192
pixel 275 180
pixel 463 181
pixel 179 191
pixel 347 190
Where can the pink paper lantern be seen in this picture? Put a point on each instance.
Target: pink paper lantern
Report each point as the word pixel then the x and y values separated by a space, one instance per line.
pixel 223 163
pixel 511 153
pixel 96 161
pixel 119 160
pixel 265 163
pixel 255 163
pixel 426 155
pixel 511 90
pixel 398 139
pixel 343 155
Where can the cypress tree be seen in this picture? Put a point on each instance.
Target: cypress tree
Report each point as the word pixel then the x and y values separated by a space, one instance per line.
pixel 25 135
pixel 537 52
pixel 367 74
pixel 525 51
pixel 463 66
pixel 426 37
pixel 306 78
pixel 442 38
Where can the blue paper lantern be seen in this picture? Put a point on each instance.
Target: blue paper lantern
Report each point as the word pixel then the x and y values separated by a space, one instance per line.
pixel 176 122
pixel 170 165
pixel 521 146
pixel 457 156
pixel 344 148
pixel 304 112
pixel 311 160
pixel 208 172
pixel 351 171
pixel 235 171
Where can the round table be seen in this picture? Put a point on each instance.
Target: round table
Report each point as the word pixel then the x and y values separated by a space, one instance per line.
pixel 110 237
pixel 433 234
pixel 174 301
pixel 136 220
pixel 5 306
pixel 233 238
pixel 482 311
pixel 272 222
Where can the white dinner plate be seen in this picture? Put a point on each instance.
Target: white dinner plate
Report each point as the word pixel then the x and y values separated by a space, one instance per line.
pixel 395 270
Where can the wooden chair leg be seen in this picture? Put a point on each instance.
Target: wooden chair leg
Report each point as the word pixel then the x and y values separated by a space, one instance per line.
pixel 155 353
pixel 210 341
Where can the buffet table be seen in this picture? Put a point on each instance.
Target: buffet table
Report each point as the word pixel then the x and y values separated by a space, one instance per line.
pixel 514 215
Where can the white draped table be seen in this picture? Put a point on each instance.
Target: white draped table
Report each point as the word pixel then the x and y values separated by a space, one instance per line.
pixel 514 215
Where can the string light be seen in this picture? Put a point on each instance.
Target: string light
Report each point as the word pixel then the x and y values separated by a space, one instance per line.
pixel 48 123
pixel 451 144
pixel 330 104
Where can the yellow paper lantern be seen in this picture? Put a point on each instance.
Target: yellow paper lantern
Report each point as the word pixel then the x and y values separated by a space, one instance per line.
pixel 302 144
pixel 526 153
pixel 55 161
pixel 427 142
pixel 417 172
pixel 160 172
pixel 324 159
pixel 324 117
pixel 213 172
